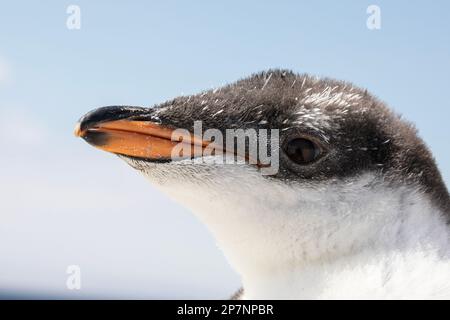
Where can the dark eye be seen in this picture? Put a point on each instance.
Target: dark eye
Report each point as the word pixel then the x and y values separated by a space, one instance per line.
pixel 302 151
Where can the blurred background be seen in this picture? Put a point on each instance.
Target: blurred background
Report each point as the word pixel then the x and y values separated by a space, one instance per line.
pixel 65 203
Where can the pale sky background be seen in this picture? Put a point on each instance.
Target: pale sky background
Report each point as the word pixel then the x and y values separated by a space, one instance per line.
pixel 64 203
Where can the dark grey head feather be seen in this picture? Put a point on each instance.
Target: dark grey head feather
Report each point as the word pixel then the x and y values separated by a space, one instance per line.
pixel 358 131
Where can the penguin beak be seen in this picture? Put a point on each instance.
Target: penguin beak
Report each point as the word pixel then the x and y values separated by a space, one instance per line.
pixel 125 131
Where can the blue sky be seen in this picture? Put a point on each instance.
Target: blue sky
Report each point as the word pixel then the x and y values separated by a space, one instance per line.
pixel 142 53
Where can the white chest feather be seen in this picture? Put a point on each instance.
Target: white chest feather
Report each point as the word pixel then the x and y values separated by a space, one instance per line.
pixel 333 240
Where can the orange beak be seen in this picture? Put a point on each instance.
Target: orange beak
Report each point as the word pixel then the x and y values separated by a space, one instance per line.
pixel 141 139
pixel 129 131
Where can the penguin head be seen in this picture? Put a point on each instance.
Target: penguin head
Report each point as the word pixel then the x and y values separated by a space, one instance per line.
pixel 337 164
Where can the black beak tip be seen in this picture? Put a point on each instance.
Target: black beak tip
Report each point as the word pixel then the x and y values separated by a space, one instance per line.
pixel 109 113
pixel 95 138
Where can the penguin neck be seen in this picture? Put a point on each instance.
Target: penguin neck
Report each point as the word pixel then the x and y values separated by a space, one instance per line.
pixel 368 274
pixel 293 241
pixel 333 261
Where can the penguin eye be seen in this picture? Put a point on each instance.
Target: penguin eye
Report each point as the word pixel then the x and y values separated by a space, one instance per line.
pixel 302 151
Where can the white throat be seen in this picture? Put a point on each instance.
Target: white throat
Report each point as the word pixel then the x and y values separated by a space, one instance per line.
pixel 355 238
